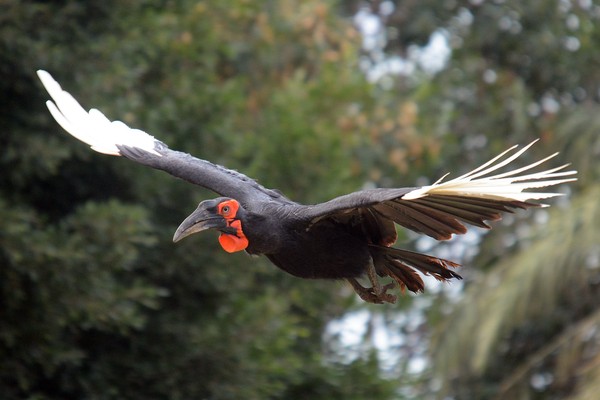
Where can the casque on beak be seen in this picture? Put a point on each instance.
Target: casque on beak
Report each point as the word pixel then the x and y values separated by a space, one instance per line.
pixel 200 220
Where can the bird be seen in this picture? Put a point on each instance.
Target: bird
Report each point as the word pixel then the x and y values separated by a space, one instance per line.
pixel 349 237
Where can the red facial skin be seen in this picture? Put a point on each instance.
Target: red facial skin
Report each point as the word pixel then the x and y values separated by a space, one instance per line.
pixel 232 243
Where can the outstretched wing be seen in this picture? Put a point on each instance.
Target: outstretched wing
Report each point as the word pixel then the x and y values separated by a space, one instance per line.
pixel 439 210
pixel 117 139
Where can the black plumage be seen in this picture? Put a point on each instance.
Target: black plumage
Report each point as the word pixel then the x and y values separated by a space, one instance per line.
pixel 348 237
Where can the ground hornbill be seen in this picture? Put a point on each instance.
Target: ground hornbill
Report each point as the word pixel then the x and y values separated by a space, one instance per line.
pixel 345 238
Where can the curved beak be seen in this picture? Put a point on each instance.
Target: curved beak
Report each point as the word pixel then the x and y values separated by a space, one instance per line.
pixel 199 220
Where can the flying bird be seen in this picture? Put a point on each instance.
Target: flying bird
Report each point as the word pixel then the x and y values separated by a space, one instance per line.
pixel 349 237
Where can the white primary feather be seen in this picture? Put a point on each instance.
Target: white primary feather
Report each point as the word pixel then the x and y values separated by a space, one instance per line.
pixel 508 186
pixel 92 127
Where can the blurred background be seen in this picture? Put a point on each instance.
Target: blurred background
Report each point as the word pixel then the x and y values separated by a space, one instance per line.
pixel 315 98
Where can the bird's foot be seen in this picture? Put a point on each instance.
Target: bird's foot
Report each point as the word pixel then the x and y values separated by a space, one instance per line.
pixel 376 295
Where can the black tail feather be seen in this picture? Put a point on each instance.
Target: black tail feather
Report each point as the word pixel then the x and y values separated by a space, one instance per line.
pixel 402 266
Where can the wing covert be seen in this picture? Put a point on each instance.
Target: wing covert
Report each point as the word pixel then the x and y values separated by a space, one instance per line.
pixel 224 181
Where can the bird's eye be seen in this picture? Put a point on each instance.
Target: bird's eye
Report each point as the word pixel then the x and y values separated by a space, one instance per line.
pixel 225 210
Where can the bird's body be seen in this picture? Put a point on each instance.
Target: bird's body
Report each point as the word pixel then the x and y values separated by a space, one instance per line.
pixel 345 238
pixel 329 251
pixel 281 229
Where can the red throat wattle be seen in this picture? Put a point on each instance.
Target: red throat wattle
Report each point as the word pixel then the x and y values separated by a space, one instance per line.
pixel 232 242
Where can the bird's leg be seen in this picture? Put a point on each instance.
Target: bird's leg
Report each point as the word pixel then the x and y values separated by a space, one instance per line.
pixel 366 294
pixel 378 290
pixel 376 294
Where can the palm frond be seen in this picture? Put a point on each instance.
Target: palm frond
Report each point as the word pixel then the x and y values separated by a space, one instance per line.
pixel 526 288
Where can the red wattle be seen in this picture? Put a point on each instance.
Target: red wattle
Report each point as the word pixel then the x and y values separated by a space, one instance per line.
pixel 232 243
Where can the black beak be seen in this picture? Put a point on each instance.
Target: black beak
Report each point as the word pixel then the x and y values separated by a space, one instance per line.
pixel 200 220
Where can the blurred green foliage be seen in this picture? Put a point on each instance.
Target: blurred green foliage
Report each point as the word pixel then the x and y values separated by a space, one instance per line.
pixel 526 326
pixel 95 300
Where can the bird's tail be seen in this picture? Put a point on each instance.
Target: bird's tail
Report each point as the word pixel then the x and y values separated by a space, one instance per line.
pixel 404 266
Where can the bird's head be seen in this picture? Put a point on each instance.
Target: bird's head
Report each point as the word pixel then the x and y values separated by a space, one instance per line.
pixel 222 214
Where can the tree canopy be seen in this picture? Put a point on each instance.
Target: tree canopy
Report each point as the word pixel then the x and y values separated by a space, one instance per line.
pixel 98 303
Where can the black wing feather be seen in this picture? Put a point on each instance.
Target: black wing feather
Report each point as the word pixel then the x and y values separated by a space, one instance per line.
pixel 117 139
pixel 221 180
pixel 438 209
pixel 438 216
pixel 442 224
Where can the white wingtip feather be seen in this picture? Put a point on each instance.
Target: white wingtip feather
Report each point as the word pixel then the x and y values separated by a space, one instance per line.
pixel 92 128
pixel 507 186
